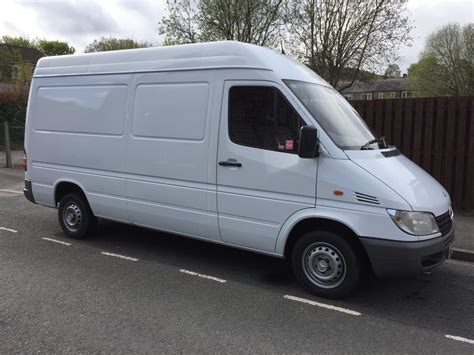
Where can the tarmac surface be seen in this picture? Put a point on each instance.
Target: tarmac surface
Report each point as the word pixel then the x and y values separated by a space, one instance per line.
pixel 128 289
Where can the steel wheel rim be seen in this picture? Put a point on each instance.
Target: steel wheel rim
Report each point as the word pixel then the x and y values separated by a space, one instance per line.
pixel 324 265
pixel 72 217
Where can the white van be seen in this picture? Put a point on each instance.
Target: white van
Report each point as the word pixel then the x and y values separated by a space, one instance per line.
pixel 234 144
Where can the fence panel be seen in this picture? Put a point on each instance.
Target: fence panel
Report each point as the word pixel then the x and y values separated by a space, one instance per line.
pixel 436 133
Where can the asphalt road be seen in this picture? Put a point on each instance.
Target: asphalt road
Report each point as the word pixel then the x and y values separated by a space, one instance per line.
pixel 73 298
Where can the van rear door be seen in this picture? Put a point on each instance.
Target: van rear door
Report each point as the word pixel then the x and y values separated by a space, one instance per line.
pixel 261 179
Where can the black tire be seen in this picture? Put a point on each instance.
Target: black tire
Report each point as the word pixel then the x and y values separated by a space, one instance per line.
pixel 326 264
pixel 75 216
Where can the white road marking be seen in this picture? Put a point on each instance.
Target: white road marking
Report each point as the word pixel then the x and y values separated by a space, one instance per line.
pixel 119 256
pixel 202 276
pixel 323 305
pixel 12 191
pixel 8 230
pixel 464 340
pixel 56 241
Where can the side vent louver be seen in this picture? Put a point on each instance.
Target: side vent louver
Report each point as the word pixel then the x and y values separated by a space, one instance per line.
pixel 366 198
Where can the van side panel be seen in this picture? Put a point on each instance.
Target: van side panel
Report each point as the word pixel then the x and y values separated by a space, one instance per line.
pixel 89 109
pixel 158 112
pixel 168 153
pixel 76 129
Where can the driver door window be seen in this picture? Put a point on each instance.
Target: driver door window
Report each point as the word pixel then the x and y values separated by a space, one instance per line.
pixel 260 117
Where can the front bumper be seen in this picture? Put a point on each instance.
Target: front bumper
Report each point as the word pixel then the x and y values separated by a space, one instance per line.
pixel 28 192
pixel 394 258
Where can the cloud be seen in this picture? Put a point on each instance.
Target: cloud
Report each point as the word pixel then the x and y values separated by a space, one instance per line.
pixel 73 18
pixel 141 7
pixel 11 27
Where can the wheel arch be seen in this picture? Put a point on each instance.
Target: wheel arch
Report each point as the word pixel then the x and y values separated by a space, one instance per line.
pixel 309 220
pixel 63 187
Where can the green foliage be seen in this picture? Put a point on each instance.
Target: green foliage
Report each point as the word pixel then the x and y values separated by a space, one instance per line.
pixel 446 65
pixel 50 48
pixel 169 42
pixel 252 21
pixel 13 107
pixel 18 41
pixel 11 63
pixel 47 47
pixel 7 60
pixel 427 77
pixel 113 44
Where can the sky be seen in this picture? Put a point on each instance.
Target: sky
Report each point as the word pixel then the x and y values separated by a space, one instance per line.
pixel 79 22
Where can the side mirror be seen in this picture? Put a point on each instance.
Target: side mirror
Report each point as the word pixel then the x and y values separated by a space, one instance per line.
pixel 309 143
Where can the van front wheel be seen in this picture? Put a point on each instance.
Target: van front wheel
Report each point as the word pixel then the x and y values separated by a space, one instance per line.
pixel 75 216
pixel 326 264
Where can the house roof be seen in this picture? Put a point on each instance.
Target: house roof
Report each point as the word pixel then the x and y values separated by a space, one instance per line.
pixel 31 55
pixel 380 85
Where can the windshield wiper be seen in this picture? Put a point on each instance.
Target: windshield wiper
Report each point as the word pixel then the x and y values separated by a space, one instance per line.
pixel 380 140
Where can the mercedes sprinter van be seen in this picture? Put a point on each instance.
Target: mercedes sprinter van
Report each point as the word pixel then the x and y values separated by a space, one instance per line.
pixel 234 144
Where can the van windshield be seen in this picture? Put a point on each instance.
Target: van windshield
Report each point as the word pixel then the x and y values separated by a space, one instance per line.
pixel 332 111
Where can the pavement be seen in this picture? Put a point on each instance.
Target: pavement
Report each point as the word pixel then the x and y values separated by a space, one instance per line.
pixel 127 289
pixel 464 244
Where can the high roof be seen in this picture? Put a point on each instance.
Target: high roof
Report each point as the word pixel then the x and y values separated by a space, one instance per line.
pixel 226 54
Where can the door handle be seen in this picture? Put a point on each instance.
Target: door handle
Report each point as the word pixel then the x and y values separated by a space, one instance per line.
pixel 230 162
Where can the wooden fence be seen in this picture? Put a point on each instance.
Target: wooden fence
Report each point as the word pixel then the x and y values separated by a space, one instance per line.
pixel 436 133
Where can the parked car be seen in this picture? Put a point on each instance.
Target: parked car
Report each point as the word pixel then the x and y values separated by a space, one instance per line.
pixel 234 144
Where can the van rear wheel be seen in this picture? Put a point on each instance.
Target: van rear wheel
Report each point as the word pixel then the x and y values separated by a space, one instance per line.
pixel 326 264
pixel 75 216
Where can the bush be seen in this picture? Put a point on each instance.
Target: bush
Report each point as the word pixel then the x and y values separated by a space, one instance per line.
pixel 13 110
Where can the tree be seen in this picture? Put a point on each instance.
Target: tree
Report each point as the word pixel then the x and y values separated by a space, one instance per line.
pixel 22 81
pixel 12 107
pixel 7 60
pixel 47 47
pixel 13 99
pixel 252 21
pixel 446 65
pixel 18 41
pixel 15 71
pixel 50 48
pixel 333 35
pixel 393 70
pixel 181 25
pixel 113 44
pixel 169 42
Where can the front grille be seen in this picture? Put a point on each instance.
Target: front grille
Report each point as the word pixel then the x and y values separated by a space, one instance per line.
pixel 445 223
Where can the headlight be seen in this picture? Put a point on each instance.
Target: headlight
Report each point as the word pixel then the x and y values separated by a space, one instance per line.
pixel 416 223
